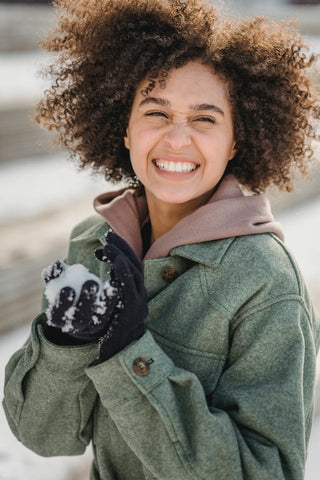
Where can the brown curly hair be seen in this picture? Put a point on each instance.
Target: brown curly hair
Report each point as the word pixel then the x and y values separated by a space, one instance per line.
pixel 105 48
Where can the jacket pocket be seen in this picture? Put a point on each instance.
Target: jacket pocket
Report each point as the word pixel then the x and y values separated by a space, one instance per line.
pixel 207 366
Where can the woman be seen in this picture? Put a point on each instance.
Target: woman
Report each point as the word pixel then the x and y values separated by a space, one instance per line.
pixel 178 336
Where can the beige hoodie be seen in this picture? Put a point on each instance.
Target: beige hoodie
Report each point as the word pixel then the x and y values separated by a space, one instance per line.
pixel 228 213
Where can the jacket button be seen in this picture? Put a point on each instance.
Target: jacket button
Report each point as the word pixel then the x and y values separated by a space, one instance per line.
pixel 141 367
pixel 169 275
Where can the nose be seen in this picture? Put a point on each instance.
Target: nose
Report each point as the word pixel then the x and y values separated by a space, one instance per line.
pixel 177 137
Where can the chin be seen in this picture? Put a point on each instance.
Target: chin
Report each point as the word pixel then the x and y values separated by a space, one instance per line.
pixel 174 198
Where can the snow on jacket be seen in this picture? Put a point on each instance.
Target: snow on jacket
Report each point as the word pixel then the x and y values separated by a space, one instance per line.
pixel 226 388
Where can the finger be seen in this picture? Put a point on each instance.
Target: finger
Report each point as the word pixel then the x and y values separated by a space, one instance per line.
pixel 94 309
pixel 104 307
pixel 85 303
pixel 113 276
pixel 101 255
pixel 114 239
pixel 122 267
pixel 132 285
pixel 126 280
pixel 89 290
pixel 56 313
pixel 53 271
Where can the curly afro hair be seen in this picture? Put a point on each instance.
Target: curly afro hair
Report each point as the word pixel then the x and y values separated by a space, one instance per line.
pixel 105 48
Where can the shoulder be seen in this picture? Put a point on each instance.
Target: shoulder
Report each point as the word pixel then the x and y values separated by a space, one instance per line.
pixel 265 257
pixel 88 225
pixel 85 238
pixel 253 270
pixel 270 280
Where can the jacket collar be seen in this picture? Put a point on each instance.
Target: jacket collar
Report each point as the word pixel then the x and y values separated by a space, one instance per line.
pixel 206 253
pixel 228 213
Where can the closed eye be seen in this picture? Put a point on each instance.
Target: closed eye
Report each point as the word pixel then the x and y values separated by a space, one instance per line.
pixel 154 114
pixel 162 114
pixel 205 119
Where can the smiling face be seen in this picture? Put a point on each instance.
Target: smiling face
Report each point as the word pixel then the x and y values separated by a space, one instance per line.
pixel 181 138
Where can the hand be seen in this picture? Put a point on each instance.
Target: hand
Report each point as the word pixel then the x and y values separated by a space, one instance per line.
pixel 127 322
pixel 79 303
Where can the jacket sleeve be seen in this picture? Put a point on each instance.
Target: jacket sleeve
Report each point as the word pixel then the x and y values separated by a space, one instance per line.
pixel 259 424
pixel 48 398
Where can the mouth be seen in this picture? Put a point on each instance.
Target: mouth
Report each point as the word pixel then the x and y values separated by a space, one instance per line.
pixel 170 166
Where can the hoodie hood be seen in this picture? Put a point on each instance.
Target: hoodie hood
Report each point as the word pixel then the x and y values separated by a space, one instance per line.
pixel 228 213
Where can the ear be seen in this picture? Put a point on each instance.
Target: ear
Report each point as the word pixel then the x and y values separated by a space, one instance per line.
pixel 126 140
pixel 233 150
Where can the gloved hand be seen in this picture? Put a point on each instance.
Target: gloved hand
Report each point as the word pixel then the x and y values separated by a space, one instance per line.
pixel 79 304
pixel 127 322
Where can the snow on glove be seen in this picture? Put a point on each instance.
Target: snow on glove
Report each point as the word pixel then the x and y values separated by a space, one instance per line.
pixel 127 322
pixel 79 304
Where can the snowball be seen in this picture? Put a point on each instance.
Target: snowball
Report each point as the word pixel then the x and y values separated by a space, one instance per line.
pixel 73 276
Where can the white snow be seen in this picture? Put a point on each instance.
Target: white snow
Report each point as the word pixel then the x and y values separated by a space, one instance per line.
pixel 73 276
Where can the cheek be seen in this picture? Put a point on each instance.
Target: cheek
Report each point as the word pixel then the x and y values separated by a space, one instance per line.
pixel 216 151
pixel 138 151
pixel 221 143
pixel 142 141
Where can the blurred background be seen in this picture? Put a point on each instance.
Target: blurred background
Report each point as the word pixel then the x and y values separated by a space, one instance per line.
pixel 43 195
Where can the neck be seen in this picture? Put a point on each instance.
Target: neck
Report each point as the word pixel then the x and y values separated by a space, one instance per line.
pixel 164 216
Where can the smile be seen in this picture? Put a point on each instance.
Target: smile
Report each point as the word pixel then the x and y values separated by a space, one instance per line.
pixel 184 167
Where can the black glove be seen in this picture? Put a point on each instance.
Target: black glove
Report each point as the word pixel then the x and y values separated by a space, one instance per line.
pixel 127 322
pixel 85 316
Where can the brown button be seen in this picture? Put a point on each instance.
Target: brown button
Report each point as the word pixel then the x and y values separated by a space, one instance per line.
pixel 31 351
pixel 169 274
pixel 141 367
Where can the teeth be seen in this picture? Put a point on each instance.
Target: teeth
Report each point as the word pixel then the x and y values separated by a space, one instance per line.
pixel 175 166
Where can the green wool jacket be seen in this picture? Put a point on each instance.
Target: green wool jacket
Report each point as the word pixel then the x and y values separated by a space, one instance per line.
pixel 225 388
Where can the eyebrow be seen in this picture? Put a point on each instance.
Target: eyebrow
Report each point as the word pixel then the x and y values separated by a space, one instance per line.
pixel 165 103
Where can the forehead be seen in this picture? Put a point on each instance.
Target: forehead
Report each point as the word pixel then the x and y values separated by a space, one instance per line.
pixel 194 83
